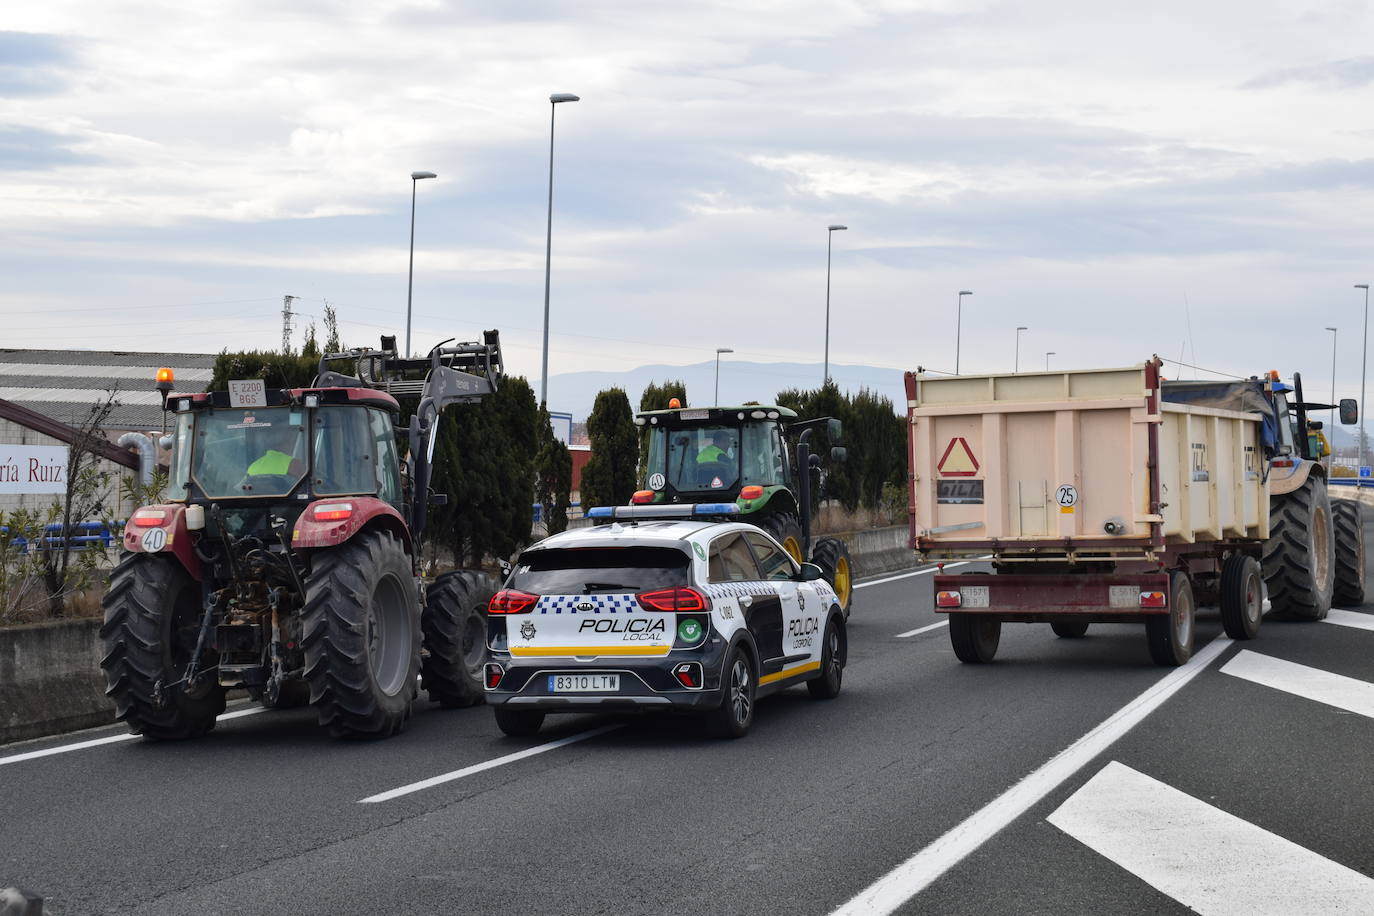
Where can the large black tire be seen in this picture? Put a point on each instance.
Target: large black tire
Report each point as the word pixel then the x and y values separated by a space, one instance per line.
pixel 455 631
pixel 974 637
pixel 362 636
pixel 1298 563
pixel 826 686
pixel 1170 635
pixel 735 714
pixel 786 530
pixel 832 556
pixel 1242 596
pixel 518 723
pixel 153 613
pixel 1069 629
pixel 1348 520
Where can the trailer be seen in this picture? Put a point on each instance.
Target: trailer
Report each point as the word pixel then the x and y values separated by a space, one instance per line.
pixel 1098 498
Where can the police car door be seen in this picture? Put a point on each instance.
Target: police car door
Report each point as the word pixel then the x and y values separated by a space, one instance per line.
pixel 734 577
pixel 801 607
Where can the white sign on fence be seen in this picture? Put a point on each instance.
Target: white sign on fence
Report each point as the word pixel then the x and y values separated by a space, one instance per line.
pixel 33 469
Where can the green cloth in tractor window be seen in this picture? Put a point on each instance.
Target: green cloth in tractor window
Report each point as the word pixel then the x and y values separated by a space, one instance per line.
pixel 274 462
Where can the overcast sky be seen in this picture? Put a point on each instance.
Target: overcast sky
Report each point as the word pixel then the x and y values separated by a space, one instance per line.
pixel 1182 178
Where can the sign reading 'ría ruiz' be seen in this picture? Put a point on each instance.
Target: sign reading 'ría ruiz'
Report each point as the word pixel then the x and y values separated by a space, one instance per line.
pixel 33 469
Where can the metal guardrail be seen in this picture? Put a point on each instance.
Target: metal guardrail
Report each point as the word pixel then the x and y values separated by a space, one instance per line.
pixel 84 536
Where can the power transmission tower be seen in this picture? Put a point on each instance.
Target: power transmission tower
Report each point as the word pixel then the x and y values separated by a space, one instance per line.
pixel 286 323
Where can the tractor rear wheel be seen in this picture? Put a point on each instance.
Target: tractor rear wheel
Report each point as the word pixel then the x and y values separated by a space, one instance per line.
pixel 362 636
pixel 786 530
pixel 153 614
pixel 832 556
pixel 1349 525
pixel 1298 563
pixel 455 630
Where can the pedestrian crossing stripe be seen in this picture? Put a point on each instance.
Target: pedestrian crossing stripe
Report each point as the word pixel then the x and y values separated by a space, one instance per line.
pixel 1337 690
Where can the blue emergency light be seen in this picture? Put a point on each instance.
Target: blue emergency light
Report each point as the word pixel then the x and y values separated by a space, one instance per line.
pixel 682 511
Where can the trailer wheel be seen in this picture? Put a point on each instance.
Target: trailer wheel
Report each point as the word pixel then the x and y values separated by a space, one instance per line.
pixel 362 636
pixel 455 634
pixel 832 556
pixel 1070 629
pixel 1171 635
pixel 1348 520
pixel 826 686
pixel 786 530
pixel 152 621
pixel 1298 567
pixel 1242 596
pixel 974 637
pixel 518 723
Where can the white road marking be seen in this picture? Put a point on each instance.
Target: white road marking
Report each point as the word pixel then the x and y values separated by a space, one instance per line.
pixel 908 575
pixel 1336 690
pixel 97 742
pixel 926 629
pixel 1350 619
pixel 1209 861
pixel 915 874
pixel 486 765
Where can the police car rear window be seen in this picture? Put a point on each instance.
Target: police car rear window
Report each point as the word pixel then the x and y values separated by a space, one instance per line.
pixel 587 570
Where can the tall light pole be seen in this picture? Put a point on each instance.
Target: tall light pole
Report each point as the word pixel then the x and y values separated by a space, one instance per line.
pixel 1333 372
pixel 958 323
pixel 829 234
pixel 1016 366
pixel 1047 360
pixel 548 247
pixel 719 350
pixel 1364 355
pixel 415 178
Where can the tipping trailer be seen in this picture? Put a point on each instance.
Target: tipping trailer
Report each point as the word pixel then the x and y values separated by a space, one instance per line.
pixel 1101 496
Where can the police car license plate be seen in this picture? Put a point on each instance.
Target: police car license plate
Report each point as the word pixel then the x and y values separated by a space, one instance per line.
pixel 584 683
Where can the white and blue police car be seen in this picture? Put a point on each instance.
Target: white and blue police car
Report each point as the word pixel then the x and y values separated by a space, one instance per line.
pixel 659 607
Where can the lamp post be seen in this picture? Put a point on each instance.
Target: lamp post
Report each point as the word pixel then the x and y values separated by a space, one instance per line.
pixel 958 323
pixel 1047 360
pixel 548 247
pixel 1364 357
pixel 415 178
pixel 1016 366
pixel 719 350
pixel 1333 370
pixel 829 234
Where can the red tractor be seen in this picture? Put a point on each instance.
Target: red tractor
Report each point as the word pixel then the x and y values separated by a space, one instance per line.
pixel 285 561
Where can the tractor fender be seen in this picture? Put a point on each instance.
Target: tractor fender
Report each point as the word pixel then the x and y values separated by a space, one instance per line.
pixel 367 512
pixel 775 499
pixel 1286 480
pixel 174 536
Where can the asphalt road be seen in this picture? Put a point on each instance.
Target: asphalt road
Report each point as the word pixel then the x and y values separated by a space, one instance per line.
pixel 957 788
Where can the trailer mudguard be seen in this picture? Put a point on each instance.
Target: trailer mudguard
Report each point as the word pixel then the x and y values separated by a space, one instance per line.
pixel 332 521
pixel 170 535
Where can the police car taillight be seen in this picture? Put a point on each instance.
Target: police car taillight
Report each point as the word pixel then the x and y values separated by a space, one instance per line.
pixel 948 599
pixel 511 601
pixel 494 674
pixel 673 599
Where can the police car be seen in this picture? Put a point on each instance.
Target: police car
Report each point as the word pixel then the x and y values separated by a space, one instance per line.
pixel 659 607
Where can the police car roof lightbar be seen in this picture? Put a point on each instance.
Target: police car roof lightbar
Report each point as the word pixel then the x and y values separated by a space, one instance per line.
pixel 690 510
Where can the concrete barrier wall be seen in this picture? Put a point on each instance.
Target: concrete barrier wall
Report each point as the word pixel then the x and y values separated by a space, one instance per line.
pixel 50 679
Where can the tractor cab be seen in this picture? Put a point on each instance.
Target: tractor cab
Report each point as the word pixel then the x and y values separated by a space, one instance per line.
pixel 714 453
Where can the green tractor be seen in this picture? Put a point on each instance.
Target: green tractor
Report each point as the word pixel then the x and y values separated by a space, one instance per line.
pixel 760 457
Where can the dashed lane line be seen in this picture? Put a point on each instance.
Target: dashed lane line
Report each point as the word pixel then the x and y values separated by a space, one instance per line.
pixel 1210 861
pixel 926 629
pixel 486 765
pixel 112 739
pixel 1336 690
pixel 917 873
pixel 908 575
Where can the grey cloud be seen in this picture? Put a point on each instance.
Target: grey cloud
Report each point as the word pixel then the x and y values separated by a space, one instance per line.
pixel 29 149
pixel 1350 73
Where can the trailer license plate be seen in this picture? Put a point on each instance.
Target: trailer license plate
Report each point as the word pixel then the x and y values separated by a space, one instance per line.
pixel 973 596
pixel 584 683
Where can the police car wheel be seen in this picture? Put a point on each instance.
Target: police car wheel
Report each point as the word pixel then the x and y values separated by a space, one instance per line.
pixel 735 714
pixel 827 685
pixel 518 723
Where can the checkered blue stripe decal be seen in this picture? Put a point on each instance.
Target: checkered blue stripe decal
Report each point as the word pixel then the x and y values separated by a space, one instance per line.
pixel 740 589
pixel 601 604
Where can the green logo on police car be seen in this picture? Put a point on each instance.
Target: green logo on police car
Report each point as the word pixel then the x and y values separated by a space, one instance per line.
pixel 689 630
pixel 700 551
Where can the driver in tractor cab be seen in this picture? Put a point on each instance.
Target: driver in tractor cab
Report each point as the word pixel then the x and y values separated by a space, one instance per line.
pixel 277 443
pixel 718 450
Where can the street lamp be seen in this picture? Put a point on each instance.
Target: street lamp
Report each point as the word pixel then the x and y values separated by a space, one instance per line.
pixel 1364 354
pixel 1016 366
pixel 829 234
pixel 415 178
pixel 719 350
pixel 548 247
pixel 1047 360
pixel 1333 371
pixel 958 323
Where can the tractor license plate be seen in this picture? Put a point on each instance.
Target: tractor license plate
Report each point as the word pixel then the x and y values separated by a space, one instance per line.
pixel 584 683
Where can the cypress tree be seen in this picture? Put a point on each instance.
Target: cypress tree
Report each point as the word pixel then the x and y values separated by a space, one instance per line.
pixel 609 477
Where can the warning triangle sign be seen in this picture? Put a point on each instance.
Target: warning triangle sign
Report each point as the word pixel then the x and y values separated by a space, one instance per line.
pixel 958 460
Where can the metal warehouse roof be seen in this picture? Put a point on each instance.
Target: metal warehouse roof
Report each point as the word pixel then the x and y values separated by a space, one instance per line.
pixel 64 384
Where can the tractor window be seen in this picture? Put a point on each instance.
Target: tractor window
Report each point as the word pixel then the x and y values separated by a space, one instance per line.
pixel 762 456
pixel 345 454
pixel 1288 424
pixel 180 482
pixel 388 465
pixel 256 452
pixel 703 458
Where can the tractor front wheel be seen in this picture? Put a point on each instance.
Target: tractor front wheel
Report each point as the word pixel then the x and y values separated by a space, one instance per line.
pixel 362 636
pixel 786 530
pixel 455 629
pixel 832 556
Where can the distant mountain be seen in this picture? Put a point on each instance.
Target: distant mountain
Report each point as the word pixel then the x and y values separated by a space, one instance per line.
pixel 740 381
